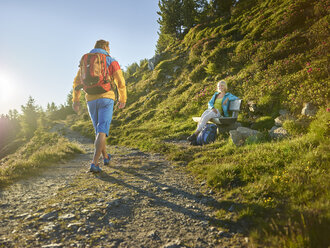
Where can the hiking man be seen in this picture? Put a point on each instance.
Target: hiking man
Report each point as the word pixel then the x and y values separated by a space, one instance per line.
pixel 96 75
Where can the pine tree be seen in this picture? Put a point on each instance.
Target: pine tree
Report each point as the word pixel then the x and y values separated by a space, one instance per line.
pixel 29 118
pixel 177 17
pixel 221 7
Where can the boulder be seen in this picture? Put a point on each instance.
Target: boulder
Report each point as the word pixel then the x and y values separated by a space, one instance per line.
pixel 236 137
pixel 278 132
pixel 309 109
pixel 239 135
pixel 282 118
pixel 247 132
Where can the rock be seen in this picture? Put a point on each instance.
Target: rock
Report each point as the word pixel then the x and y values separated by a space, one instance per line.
pixel 22 215
pixel 49 216
pixel 278 133
pixel 309 109
pixel 282 118
pixel 49 228
pixel 114 203
pixel 252 106
pixel 153 235
pixel 237 139
pixel 53 246
pixel 239 135
pixel 167 189
pixel 67 217
pixel 247 132
pixel 173 244
pixel 75 225
pixel 221 233
pixel 231 209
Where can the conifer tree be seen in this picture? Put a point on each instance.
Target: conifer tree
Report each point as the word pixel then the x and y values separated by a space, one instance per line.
pixel 177 17
pixel 221 7
pixel 29 118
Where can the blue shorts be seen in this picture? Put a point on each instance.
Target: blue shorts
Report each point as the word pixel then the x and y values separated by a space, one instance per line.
pixel 100 111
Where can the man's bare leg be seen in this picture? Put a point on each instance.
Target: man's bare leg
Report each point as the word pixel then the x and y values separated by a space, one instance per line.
pixel 99 147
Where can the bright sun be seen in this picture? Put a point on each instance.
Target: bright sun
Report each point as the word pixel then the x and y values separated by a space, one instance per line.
pixel 7 88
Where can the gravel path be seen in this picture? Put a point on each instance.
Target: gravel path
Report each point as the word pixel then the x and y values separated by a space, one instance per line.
pixel 140 200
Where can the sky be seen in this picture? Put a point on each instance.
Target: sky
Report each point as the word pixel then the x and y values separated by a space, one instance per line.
pixel 42 41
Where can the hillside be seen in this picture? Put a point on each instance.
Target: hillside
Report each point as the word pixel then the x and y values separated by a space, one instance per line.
pixel 273 54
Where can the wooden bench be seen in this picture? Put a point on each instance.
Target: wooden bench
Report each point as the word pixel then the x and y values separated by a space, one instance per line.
pixel 234 107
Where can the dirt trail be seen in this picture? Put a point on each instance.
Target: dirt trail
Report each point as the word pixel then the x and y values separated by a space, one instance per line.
pixel 140 200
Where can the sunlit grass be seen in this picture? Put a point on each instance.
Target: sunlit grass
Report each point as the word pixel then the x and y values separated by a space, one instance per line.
pixel 42 150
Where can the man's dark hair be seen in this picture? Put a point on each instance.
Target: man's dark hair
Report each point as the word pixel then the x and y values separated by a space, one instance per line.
pixel 101 44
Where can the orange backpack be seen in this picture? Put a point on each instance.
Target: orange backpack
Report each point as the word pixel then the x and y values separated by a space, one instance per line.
pixel 94 73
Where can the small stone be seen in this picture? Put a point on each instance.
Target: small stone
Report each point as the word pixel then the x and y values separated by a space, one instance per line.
pixel 49 216
pixel 22 215
pixel 221 233
pixel 173 244
pixel 67 217
pixel 53 246
pixel 231 209
pixel 153 235
pixel 49 228
pixel 309 109
pixel 165 189
pixel 74 225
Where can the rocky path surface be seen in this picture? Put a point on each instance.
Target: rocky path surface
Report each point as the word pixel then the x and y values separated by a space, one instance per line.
pixel 139 200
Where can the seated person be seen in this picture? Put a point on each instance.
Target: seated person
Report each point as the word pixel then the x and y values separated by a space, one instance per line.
pixel 218 104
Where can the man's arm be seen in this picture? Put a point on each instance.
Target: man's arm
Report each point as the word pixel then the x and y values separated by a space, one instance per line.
pixel 76 93
pixel 121 85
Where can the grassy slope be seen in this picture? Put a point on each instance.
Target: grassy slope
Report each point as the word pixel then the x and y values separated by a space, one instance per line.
pixel 275 54
pixel 43 149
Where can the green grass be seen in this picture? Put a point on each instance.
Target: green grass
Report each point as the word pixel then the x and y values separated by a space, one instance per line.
pixel 272 55
pixel 42 150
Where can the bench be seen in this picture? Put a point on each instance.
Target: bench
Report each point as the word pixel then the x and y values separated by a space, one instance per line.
pixel 234 107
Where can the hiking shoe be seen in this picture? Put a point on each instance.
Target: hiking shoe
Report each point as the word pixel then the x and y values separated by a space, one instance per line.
pixel 94 168
pixel 192 137
pixel 107 160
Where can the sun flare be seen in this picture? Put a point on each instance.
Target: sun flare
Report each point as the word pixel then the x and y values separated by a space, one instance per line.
pixel 7 88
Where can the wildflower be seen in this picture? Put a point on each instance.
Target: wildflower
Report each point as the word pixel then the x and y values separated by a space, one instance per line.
pixel 310 70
